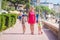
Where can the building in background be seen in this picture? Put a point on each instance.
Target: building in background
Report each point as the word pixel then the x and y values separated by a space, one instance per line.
pixel 53 6
pixel 56 8
pixel 35 2
pixel 49 5
pixel 38 2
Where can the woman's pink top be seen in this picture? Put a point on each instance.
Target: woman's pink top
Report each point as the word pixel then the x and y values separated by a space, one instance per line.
pixel 31 17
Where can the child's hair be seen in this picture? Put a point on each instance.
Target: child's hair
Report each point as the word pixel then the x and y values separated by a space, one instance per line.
pixel 23 15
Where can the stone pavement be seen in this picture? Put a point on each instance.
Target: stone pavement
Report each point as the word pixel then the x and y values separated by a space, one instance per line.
pixel 15 33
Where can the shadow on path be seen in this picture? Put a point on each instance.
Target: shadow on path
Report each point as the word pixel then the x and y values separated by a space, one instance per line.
pixel 50 34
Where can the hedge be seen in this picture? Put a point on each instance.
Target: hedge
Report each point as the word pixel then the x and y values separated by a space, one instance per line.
pixel 7 20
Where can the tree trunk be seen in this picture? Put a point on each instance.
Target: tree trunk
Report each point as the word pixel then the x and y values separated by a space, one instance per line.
pixel 15 6
pixel 26 10
pixel 45 14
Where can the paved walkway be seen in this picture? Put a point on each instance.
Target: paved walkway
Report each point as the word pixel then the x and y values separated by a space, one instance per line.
pixel 15 33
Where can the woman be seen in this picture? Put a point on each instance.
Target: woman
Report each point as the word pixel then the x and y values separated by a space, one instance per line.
pixel 31 19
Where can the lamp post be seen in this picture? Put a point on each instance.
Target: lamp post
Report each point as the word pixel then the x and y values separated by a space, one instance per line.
pixel 0 13
pixel 59 31
pixel 0 5
pixel 59 28
pixel 59 23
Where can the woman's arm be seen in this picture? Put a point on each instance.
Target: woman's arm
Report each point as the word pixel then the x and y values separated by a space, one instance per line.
pixel 28 16
pixel 35 16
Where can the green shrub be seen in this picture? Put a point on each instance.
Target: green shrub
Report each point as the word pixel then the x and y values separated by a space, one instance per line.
pixel 7 20
pixel 0 23
pixel 3 22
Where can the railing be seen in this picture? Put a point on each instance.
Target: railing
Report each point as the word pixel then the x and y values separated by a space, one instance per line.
pixel 53 27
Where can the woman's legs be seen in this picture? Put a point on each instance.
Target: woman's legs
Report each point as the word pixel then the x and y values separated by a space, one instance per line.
pixel 32 28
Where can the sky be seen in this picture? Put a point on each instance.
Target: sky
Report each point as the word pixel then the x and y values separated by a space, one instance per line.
pixel 52 1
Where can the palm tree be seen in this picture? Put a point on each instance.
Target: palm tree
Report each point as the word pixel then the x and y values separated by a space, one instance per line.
pixel 44 9
pixel 14 2
pixel 4 4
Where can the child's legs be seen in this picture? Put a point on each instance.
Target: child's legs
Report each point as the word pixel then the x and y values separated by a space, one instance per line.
pixel 39 29
pixel 23 28
pixel 32 28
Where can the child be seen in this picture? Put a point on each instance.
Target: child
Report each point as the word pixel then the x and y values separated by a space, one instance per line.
pixel 39 27
pixel 38 21
pixel 23 23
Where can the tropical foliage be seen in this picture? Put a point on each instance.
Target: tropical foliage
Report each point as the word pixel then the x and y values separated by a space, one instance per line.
pixel 27 6
pixel 5 3
pixel 44 9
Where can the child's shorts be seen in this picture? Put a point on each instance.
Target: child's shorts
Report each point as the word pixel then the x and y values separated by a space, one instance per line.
pixel 37 21
pixel 23 20
pixel 39 24
pixel 19 17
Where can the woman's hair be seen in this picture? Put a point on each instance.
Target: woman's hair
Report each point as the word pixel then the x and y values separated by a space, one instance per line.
pixel 31 8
